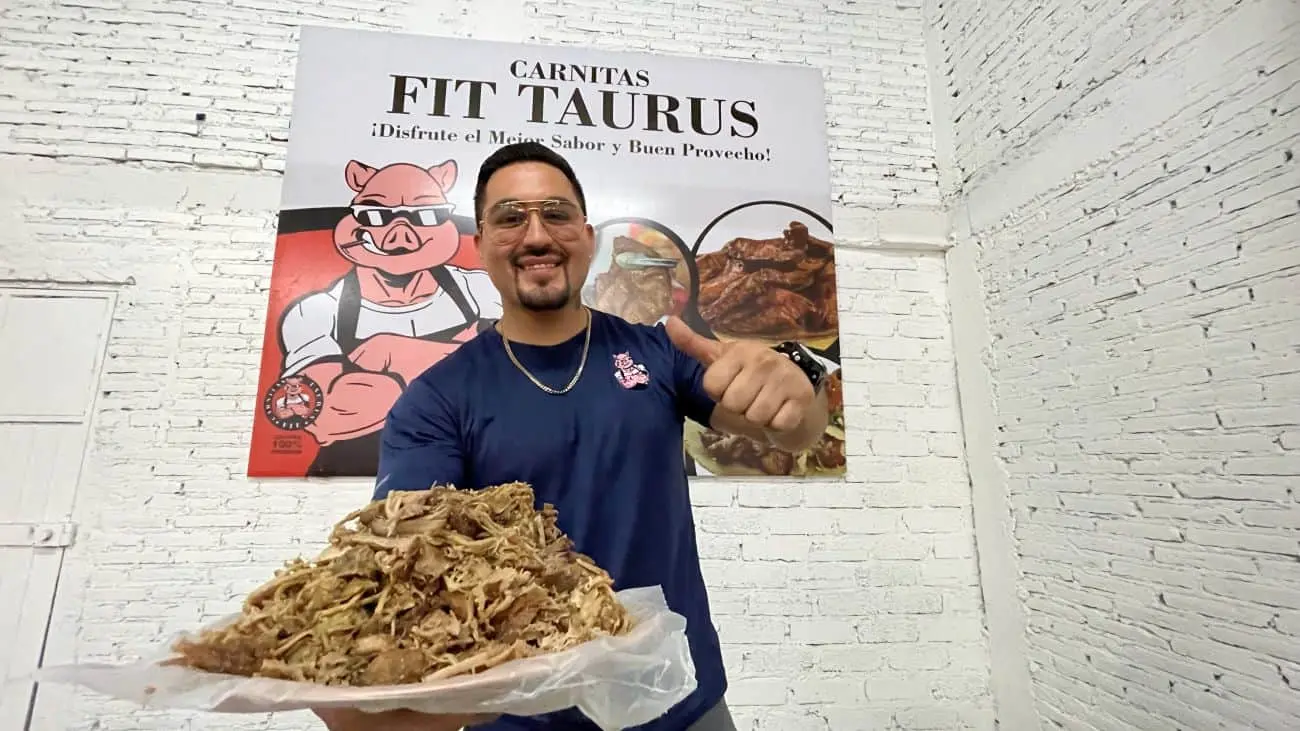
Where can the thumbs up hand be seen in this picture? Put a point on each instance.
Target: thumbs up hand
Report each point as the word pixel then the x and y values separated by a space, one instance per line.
pixel 749 381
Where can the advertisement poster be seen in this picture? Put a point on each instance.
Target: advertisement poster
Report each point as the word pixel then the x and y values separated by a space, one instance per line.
pixel 707 182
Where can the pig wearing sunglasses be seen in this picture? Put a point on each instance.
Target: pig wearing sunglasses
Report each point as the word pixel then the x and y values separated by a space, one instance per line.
pixel 402 307
pixel 401 219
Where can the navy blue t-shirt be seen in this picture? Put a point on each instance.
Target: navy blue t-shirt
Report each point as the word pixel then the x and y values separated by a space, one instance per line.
pixel 607 455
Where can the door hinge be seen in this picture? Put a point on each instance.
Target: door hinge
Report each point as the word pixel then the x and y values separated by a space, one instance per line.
pixel 37 535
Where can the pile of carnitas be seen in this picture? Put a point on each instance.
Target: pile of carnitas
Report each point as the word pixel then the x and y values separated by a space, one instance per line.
pixel 415 587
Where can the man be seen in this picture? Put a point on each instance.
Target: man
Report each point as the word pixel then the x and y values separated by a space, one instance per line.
pixel 587 408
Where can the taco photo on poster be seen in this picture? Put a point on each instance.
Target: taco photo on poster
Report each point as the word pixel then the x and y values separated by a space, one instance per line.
pixel 642 271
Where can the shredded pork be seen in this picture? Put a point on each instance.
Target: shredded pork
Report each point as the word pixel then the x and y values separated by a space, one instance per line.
pixel 420 586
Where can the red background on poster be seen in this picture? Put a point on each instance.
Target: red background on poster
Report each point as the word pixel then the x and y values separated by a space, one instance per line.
pixel 304 262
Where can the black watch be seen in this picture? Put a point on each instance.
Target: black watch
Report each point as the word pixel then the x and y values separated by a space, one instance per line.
pixel 807 362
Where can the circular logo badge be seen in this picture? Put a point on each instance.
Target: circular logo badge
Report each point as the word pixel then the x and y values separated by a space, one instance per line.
pixel 293 403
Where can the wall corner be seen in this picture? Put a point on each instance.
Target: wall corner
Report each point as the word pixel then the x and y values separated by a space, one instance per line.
pixel 999 566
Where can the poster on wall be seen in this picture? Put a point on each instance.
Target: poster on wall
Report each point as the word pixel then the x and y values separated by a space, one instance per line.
pixel 707 182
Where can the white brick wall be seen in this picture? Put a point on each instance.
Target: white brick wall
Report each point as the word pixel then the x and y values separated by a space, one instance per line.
pixel 873 55
pixel 842 606
pixel 1128 175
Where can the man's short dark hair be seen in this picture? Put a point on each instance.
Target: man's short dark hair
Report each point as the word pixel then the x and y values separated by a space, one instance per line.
pixel 517 153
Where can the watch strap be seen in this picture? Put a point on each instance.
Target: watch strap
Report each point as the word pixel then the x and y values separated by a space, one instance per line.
pixel 805 360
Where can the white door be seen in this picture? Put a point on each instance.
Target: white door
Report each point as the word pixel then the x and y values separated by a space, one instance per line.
pixel 52 344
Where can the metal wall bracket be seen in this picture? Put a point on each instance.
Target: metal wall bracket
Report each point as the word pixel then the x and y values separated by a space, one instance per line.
pixel 37 535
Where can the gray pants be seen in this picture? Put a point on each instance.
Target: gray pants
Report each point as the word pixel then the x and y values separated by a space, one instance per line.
pixel 717 719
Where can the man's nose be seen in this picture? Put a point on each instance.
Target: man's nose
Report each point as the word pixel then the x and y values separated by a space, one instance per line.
pixel 535 231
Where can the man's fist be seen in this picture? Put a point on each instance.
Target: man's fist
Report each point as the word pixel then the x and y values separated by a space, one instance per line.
pixel 748 379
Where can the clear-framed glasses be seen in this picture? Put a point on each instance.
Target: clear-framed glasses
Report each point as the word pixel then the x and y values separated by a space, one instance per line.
pixel 434 215
pixel 507 221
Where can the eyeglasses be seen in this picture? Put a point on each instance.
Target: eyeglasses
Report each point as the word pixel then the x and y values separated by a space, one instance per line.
pixel 435 215
pixel 506 222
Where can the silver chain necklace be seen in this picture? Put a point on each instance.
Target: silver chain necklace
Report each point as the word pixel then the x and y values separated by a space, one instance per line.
pixel 586 345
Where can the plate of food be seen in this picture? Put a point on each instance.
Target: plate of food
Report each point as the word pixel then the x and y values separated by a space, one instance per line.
pixel 767 272
pixel 444 601
pixel 641 271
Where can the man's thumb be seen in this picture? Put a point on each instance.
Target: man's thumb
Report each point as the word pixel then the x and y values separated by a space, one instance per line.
pixel 692 343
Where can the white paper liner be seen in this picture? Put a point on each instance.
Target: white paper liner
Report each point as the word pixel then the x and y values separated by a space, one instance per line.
pixel 617 682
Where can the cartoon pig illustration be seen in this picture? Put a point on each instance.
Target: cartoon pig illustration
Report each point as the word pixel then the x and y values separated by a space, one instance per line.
pixel 399 309
pixel 294 402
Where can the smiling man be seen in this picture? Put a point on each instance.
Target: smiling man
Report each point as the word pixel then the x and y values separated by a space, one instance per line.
pixel 587 408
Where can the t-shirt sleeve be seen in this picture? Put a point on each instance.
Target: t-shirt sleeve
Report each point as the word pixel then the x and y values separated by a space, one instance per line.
pixel 688 384
pixel 305 332
pixel 421 443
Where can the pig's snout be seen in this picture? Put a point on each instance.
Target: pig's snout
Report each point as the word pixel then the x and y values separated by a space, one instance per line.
pixel 401 239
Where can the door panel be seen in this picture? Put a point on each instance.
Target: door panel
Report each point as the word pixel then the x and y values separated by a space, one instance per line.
pixel 53 345
pixel 51 373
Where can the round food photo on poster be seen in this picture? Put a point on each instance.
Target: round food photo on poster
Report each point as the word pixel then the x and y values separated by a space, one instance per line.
pixel 766 272
pixel 641 271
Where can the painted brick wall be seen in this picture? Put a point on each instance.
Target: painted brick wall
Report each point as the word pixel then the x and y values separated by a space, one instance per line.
pixel 872 54
pixel 842 606
pixel 1128 173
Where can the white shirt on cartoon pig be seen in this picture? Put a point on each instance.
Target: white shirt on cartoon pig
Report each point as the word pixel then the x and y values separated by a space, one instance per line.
pixel 309 329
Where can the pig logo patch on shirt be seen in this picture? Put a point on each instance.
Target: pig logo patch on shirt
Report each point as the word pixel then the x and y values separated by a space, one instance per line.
pixel 630 374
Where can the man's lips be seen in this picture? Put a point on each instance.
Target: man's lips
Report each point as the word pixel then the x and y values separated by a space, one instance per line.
pixel 535 266
pixel 535 262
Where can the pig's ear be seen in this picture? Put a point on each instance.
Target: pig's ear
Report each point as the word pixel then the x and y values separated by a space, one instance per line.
pixel 358 174
pixel 444 175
